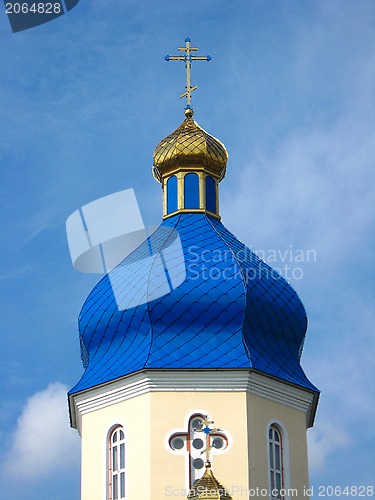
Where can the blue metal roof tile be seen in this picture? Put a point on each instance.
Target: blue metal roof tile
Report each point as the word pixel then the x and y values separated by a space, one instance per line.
pixel 231 311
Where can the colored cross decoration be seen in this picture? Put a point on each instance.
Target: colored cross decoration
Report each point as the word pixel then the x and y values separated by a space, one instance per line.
pixel 207 430
pixel 189 442
pixel 188 58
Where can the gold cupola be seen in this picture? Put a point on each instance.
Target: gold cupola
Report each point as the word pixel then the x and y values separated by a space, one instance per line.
pixel 208 488
pixel 190 146
pixel 190 163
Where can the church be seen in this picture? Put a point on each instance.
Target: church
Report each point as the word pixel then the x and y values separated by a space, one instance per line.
pixel 191 346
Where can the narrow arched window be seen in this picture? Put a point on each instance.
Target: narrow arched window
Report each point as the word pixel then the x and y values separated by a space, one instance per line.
pixel 117 464
pixel 191 191
pixel 172 194
pixel 210 194
pixel 276 472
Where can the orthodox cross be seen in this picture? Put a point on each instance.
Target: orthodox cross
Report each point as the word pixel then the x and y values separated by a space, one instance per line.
pixel 207 430
pixel 187 57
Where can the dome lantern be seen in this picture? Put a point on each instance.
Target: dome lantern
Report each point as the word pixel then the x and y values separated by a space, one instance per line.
pixel 190 163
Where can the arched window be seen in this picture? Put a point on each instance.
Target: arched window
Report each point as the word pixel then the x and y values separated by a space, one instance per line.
pixel 210 194
pixel 116 464
pixel 191 191
pixel 171 194
pixel 276 469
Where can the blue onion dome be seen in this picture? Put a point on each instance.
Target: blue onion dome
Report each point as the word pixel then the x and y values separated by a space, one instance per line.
pixel 231 310
pixel 192 296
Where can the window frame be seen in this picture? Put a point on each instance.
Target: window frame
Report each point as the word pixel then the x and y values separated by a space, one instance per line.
pixel 273 458
pixel 171 187
pixel 211 194
pixel 119 474
pixel 192 186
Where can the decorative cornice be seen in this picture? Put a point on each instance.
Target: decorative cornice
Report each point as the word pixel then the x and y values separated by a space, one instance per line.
pixel 146 381
pixel 192 211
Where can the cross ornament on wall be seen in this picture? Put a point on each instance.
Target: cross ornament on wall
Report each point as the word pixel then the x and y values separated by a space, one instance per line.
pixel 208 431
pixel 189 443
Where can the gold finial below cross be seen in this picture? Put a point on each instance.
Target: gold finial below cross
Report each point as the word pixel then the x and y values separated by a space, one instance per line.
pixel 187 57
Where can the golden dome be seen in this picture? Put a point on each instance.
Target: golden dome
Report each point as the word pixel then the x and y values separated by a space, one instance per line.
pixel 208 487
pixel 188 146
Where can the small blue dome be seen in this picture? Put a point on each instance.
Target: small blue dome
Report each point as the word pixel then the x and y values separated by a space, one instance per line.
pixel 231 311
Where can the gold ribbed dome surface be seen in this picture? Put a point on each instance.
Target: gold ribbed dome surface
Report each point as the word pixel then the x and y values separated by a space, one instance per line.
pixel 189 145
pixel 208 487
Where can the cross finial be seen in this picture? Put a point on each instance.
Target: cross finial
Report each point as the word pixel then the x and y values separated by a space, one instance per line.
pixel 187 58
pixel 207 430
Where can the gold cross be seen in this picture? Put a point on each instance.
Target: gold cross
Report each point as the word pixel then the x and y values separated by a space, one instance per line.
pixel 187 57
pixel 207 430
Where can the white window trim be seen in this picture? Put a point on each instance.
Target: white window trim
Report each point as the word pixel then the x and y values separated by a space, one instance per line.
pixel 285 456
pixel 108 447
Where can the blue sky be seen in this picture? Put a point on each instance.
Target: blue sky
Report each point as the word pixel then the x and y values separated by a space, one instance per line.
pixel 85 99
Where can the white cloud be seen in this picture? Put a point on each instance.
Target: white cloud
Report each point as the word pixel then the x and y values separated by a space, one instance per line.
pixel 314 189
pixel 43 440
pixel 324 440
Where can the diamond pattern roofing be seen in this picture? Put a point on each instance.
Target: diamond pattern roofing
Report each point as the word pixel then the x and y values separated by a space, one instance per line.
pixel 232 310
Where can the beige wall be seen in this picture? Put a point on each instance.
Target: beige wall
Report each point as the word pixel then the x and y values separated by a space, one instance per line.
pixel 135 416
pixel 228 410
pixel 154 473
pixel 292 423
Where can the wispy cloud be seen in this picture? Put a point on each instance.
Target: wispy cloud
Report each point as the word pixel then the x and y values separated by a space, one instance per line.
pixel 329 438
pixel 12 273
pixel 39 222
pixel 314 189
pixel 42 437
